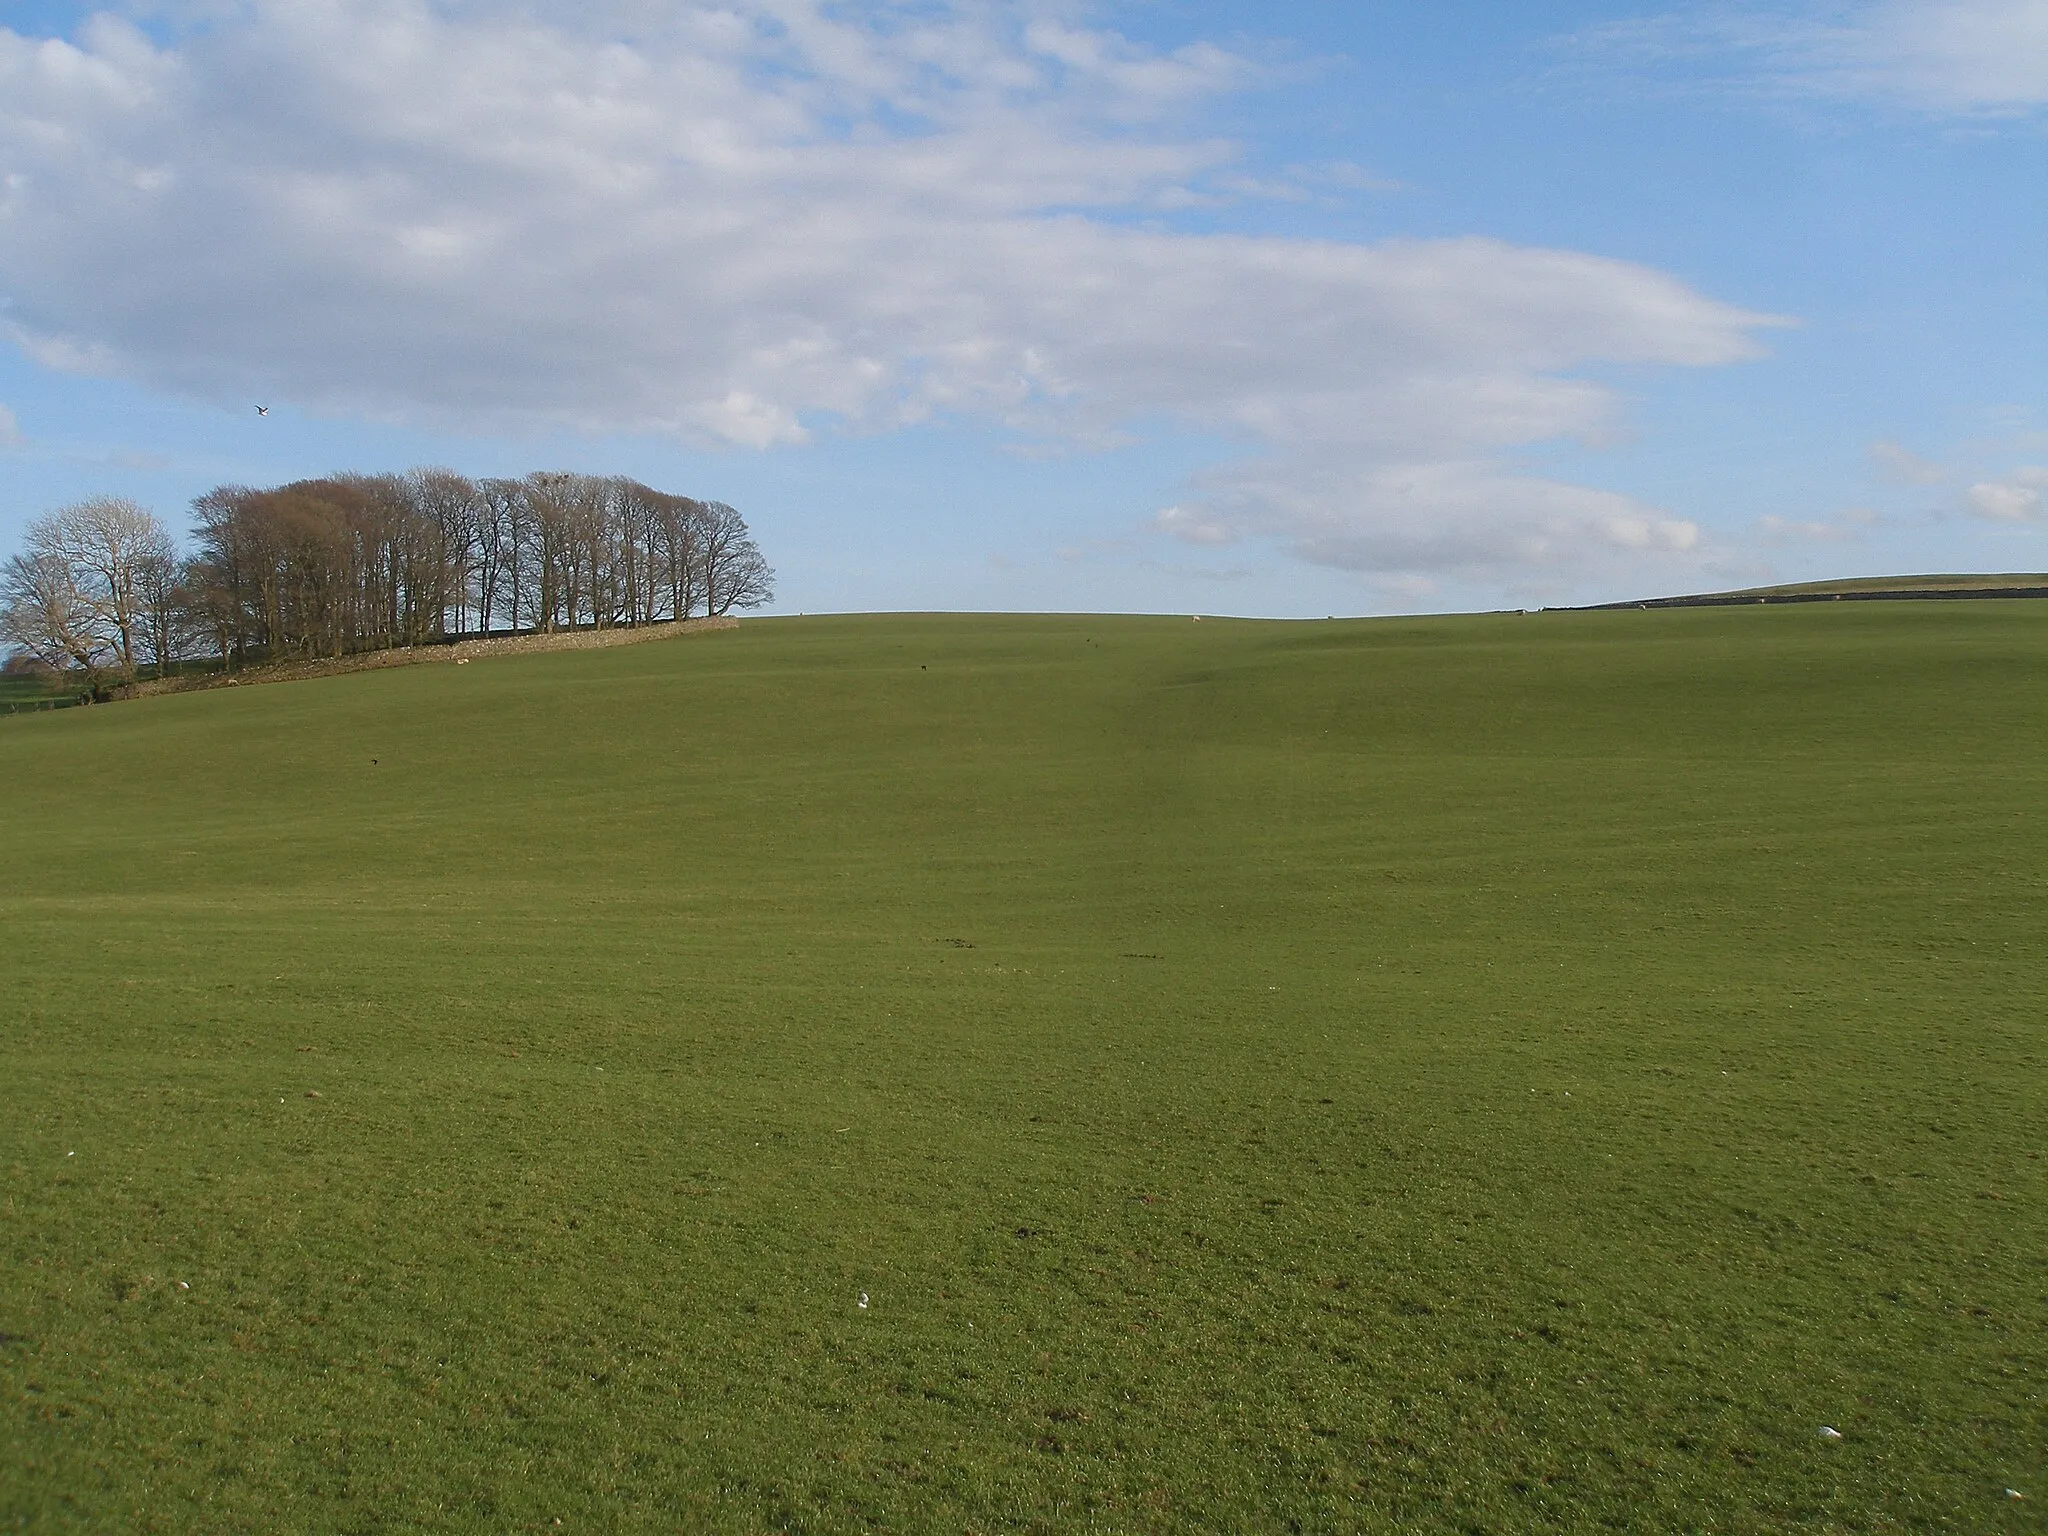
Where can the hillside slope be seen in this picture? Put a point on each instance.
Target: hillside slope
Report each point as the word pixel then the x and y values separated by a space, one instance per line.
pixel 1856 589
pixel 990 1073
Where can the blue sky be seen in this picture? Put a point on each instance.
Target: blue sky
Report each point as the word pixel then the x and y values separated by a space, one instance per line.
pixel 1165 306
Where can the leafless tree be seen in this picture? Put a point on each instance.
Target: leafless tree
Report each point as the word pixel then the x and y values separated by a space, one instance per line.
pixel 220 577
pixel 359 562
pixel 452 505
pixel 164 607
pixel 42 610
pixel 735 575
pixel 80 583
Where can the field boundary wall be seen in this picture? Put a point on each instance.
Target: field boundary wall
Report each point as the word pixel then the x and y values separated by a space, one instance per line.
pixel 420 655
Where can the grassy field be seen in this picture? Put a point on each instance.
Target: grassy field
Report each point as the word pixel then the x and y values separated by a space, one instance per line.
pixel 1852 584
pixel 33 692
pixel 21 694
pixel 989 1074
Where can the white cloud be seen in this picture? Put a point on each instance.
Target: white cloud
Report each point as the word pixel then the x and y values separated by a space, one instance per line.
pixel 762 219
pixel 1973 57
pixel 1899 465
pixel 10 429
pixel 1194 524
pixel 1467 519
pixel 2018 498
pixel 1947 55
pixel 1849 524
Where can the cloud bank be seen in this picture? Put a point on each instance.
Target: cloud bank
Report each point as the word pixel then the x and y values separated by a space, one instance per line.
pixel 1942 55
pixel 750 222
pixel 1981 58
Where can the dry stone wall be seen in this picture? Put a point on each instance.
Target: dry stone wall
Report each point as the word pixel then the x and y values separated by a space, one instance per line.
pixel 409 656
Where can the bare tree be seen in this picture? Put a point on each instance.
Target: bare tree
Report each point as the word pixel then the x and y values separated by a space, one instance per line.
pixel 549 551
pixel 505 518
pixel 82 579
pixel 220 578
pixel 42 610
pixel 451 505
pixel 660 547
pixel 360 562
pixel 104 541
pixel 735 575
pixel 164 608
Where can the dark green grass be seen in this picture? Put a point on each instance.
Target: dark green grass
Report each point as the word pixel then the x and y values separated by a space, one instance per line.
pixel 1493 1074
pixel 32 692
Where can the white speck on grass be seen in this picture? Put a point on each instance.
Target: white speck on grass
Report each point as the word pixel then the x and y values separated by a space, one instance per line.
pixel 863 1298
pixel 2014 1493
pixel 1829 1432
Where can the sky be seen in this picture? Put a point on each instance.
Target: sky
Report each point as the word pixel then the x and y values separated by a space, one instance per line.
pixel 1161 306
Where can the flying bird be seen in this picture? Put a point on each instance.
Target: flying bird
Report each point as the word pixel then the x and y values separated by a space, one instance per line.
pixel 262 410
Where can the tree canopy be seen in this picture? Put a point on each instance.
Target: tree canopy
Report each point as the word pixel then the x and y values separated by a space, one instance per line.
pixel 358 562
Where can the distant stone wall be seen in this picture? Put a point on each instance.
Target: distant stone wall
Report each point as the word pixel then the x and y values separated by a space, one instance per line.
pixel 578 639
pixel 1855 595
pixel 418 655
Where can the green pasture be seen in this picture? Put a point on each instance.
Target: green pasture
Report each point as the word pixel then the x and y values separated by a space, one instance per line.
pixel 33 693
pixel 1851 584
pixel 1492 1074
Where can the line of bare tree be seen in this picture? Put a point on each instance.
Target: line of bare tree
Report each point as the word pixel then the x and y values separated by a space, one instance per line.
pixel 363 562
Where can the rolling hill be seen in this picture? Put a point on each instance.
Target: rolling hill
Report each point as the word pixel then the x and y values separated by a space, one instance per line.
pixel 1043 1074
pixel 1856 589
